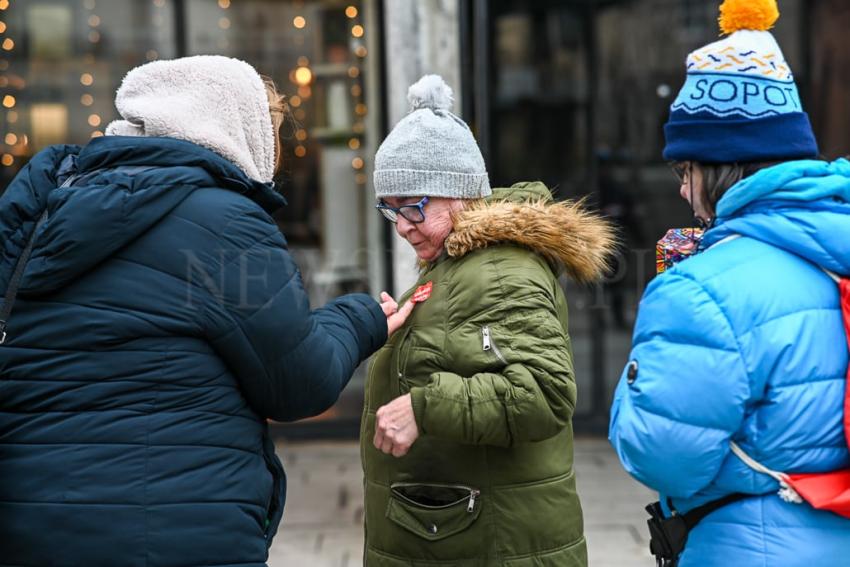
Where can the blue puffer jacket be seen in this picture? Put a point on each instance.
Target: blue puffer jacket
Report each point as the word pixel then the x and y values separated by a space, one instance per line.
pixel 745 342
pixel 160 320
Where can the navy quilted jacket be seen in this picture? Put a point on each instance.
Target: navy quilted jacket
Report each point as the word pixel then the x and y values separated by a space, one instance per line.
pixel 159 322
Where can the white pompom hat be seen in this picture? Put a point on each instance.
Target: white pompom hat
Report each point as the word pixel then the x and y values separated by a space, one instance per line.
pixel 430 152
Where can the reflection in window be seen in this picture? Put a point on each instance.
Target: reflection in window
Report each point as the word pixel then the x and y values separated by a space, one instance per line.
pixel 541 95
pixel 63 64
pixel 62 61
pixel 49 31
pixel 316 53
pixel 49 123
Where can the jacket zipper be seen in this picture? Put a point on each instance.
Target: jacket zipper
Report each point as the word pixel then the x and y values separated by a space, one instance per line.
pixel 473 494
pixel 489 344
pixel 401 363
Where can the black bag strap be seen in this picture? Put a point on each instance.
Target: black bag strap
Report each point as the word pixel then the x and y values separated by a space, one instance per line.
pixel 15 280
pixel 18 273
pixel 668 535
pixel 695 516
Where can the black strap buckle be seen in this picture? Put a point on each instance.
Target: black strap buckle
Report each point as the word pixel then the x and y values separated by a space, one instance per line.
pixel 667 536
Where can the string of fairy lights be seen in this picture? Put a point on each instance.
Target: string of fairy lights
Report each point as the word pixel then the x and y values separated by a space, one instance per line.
pixel 224 24
pixel 302 76
pixel 87 79
pixel 157 19
pixel 356 90
pixel 14 141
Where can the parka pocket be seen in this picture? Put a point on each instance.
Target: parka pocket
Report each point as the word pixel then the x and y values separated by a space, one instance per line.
pixel 433 511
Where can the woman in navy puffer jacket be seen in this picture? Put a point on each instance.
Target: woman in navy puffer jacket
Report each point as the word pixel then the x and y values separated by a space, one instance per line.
pixel 745 341
pixel 159 321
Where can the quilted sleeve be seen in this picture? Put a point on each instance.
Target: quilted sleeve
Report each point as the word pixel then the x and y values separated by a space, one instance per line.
pixel 292 362
pixel 532 398
pixel 683 393
pixel 511 380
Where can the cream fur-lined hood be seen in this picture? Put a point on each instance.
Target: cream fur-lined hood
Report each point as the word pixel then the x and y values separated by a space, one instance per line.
pixel 565 233
pixel 216 102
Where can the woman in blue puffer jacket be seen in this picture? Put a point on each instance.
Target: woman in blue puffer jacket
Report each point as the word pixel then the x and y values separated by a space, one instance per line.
pixel 159 321
pixel 745 342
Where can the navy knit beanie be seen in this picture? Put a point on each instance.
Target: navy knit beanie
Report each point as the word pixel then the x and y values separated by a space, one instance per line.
pixel 739 102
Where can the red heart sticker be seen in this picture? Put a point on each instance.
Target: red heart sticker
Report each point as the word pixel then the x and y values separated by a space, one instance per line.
pixel 422 293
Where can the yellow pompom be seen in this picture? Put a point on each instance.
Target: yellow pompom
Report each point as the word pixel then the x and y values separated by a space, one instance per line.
pixel 758 15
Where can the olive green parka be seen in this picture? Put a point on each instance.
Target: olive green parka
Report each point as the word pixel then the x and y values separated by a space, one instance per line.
pixel 488 363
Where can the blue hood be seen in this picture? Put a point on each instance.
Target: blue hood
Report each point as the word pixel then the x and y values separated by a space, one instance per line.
pixel 801 206
pixel 125 185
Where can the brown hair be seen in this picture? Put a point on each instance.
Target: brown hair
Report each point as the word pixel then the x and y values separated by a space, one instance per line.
pixel 717 178
pixel 279 110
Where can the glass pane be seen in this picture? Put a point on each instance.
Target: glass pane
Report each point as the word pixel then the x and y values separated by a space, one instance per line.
pixel 62 62
pixel 640 74
pixel 541 93
pixel 540 131
pixel 580 94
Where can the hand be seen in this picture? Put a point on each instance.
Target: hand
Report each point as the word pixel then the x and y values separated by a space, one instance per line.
pixel 395 316
pixel 395 427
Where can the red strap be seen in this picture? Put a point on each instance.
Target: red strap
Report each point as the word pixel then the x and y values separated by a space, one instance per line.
pixel 845 305
pixel 831 491
pixel 845 308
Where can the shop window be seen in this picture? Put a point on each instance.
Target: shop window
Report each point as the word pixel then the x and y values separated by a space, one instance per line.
pixel 579 95
pixel 61 62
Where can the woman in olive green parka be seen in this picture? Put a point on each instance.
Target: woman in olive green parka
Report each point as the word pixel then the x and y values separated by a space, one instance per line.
pixel 466 437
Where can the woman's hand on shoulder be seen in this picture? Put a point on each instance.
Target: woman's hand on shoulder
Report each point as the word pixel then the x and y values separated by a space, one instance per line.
pixel 395 427
pixel 395 316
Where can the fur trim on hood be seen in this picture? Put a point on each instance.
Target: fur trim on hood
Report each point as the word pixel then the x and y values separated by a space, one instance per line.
pixel 213 101
pixel 565 233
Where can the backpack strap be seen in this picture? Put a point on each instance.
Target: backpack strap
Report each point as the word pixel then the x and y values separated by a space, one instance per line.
pixel 18 273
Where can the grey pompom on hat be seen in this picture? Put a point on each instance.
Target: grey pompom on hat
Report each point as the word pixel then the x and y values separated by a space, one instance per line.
pixel 430 152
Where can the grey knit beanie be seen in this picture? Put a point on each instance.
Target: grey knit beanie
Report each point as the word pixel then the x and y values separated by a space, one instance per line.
pixel 430 152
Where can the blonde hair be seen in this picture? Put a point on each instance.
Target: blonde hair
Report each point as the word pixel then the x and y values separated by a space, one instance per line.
pixel 279 110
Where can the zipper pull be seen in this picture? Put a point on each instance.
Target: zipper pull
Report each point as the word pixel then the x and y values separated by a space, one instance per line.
pixel 485 335
pixel 472 495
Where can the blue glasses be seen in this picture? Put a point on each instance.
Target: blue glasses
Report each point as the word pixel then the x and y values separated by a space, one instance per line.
pixel 414 213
